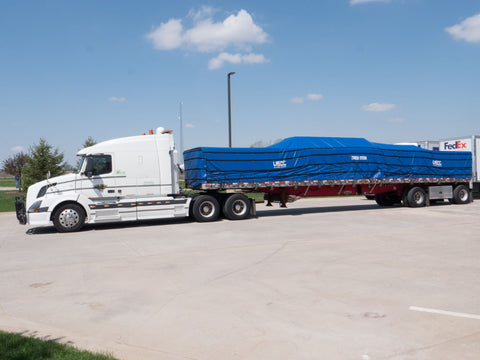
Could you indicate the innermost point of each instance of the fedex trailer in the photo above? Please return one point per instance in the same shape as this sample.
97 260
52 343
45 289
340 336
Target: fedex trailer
470 144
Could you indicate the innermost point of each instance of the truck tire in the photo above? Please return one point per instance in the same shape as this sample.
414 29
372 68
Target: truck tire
205 208
237 207
69 218
461 195
416 197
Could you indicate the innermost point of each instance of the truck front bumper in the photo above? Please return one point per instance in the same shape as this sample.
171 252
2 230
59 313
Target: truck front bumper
39 218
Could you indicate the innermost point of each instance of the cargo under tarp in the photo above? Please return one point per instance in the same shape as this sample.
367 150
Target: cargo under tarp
320 158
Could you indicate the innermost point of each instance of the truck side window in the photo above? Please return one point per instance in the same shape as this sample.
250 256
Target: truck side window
102 164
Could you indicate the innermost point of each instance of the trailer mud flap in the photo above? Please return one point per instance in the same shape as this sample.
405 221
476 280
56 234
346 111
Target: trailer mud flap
253 208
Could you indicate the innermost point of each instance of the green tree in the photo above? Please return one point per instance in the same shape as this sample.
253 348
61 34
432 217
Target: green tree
89 142
14 164
42 159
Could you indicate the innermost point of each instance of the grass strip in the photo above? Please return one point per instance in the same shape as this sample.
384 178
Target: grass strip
18 347
7 182
7 200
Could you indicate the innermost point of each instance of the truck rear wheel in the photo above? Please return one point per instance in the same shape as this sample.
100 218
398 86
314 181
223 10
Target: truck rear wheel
237 207
205 208
461 195
69 218
416 197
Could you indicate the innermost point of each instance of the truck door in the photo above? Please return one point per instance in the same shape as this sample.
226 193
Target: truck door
97 183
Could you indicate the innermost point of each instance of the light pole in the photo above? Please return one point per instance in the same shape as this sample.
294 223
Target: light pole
229 112
181 134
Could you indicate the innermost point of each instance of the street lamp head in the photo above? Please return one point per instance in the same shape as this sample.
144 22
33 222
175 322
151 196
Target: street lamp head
231 73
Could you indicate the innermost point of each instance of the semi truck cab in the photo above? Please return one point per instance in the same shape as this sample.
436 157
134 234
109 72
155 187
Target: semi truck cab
132 178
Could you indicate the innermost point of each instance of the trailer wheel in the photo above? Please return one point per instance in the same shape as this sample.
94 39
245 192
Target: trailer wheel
205 208
69 218
461 195
416 197
237 207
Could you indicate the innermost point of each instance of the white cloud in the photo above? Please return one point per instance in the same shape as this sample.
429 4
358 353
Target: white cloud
297 100
204 12
190 126
222 58
117 99
18 149
167 36
237 31
310 97
356 2
314 97
376 107
468 29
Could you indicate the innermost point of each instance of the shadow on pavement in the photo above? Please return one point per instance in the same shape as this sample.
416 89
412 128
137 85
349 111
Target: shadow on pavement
368 205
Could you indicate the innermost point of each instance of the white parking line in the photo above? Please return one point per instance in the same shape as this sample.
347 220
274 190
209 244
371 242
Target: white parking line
443 312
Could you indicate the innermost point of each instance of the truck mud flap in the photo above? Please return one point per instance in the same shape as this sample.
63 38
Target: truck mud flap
20 210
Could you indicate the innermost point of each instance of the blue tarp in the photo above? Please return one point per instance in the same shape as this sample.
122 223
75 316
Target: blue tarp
321 158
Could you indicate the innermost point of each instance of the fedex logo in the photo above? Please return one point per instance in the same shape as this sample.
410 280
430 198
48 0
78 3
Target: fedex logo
456 145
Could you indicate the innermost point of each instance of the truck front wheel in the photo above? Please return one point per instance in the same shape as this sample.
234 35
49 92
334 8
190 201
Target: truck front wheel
205 208
461 195
237 207
69 218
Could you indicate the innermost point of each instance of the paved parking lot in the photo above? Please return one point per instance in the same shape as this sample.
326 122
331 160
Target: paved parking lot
332 278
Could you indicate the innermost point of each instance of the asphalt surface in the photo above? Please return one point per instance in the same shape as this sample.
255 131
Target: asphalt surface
332 278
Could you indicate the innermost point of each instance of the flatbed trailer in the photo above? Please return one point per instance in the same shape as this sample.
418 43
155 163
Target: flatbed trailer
392 174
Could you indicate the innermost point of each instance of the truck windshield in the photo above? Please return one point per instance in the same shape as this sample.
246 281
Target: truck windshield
80 164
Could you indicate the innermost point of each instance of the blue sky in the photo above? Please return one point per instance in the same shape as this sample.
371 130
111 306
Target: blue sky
389 71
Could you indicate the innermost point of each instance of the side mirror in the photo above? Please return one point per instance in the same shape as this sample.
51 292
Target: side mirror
89 167
49 174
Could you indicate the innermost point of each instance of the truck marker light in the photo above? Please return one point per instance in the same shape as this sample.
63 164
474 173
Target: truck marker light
150 203
150 132
120 205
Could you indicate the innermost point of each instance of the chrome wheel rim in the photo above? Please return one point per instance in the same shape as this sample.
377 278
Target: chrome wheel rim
68 218
418 197
239 207
207 209
463 195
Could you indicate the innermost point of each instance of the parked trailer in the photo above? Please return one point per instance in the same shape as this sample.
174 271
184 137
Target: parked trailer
137 178
470 144
310 166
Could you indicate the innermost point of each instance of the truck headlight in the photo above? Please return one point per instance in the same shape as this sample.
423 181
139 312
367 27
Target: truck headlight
35 206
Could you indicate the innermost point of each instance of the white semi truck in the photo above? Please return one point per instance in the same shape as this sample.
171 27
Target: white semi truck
137 178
